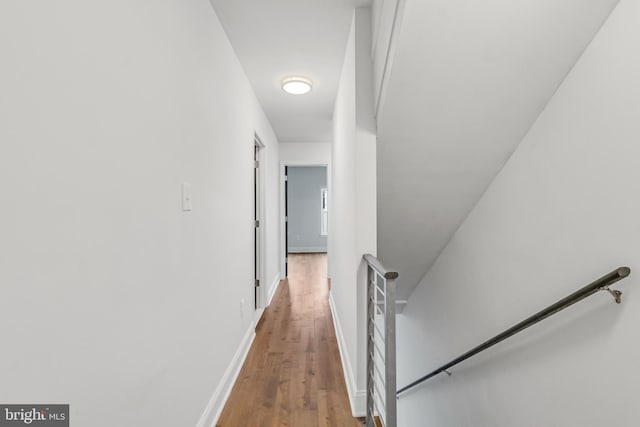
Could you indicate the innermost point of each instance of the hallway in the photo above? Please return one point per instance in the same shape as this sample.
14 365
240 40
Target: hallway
293 375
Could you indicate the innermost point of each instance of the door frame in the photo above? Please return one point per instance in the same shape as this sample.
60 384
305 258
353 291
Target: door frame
257 205
283 225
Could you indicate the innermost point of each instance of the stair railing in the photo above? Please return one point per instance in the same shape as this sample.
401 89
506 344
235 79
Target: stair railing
601 284
381 344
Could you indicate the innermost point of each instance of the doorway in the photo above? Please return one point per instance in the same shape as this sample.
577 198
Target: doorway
306 210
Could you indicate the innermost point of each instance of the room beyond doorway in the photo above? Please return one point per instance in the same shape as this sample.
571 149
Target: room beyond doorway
306 209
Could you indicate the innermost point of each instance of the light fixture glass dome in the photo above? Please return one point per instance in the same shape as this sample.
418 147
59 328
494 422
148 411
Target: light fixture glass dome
297 85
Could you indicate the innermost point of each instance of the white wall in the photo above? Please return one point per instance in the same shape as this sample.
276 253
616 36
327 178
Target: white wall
562 212
301 153
352 206
113 299
304 208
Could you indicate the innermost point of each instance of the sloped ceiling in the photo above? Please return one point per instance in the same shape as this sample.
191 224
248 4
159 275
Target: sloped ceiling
467 82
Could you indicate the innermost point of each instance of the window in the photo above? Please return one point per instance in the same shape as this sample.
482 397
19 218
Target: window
324 213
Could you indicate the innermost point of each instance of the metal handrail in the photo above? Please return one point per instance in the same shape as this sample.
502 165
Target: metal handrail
601 284
381 344
379 268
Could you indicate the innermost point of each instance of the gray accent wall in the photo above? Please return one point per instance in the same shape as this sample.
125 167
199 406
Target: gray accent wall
305 184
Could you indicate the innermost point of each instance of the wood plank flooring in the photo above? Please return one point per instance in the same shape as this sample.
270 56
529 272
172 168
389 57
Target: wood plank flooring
293 375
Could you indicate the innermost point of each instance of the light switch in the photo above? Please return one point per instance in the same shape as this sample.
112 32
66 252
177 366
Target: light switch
187 203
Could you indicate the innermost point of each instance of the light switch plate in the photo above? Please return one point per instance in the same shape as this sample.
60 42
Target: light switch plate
187 204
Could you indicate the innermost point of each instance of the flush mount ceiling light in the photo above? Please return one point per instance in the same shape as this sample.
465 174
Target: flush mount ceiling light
297 85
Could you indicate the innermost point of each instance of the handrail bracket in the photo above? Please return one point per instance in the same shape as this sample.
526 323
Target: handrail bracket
616 294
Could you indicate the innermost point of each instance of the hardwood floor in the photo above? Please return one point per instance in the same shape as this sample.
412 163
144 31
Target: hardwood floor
293 374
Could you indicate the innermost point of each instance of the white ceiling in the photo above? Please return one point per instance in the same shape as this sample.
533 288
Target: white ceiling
277 38
468 81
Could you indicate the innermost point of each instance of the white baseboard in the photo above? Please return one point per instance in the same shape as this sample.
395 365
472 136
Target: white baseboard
216 404
273 289
307 249
357 398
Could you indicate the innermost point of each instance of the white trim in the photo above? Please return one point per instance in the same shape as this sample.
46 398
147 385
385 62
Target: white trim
375 26
269 293
257 141
357 398
308 249
261 261
257 314
273 289
216 404
390 54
